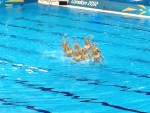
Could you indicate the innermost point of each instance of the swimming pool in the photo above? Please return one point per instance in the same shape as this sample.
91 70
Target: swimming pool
35 76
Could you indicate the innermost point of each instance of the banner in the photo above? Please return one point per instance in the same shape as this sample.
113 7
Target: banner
85 3
126 6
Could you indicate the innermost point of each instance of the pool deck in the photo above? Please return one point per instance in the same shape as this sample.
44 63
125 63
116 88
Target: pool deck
99 10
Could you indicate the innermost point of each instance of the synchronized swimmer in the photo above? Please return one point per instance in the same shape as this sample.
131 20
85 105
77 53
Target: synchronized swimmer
80 54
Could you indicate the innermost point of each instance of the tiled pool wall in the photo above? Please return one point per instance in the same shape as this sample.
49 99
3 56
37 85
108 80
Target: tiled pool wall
140 7
8 3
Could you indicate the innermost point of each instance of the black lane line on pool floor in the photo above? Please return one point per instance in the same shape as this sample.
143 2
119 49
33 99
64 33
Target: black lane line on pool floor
120 57
98 82
100 23
8 102
132 59
94 82
24 38
104 83
107 43
123 72
24 83
116 44
95 22
80 28
37 53
88 13
60 34
23 66
115 70
74 96
44 42
89 81
20 50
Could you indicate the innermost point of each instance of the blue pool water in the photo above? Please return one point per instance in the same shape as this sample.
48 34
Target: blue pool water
36 77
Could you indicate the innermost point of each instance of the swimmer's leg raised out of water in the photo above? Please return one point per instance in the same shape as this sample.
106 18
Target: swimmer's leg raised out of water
64 42
77 46
87 42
